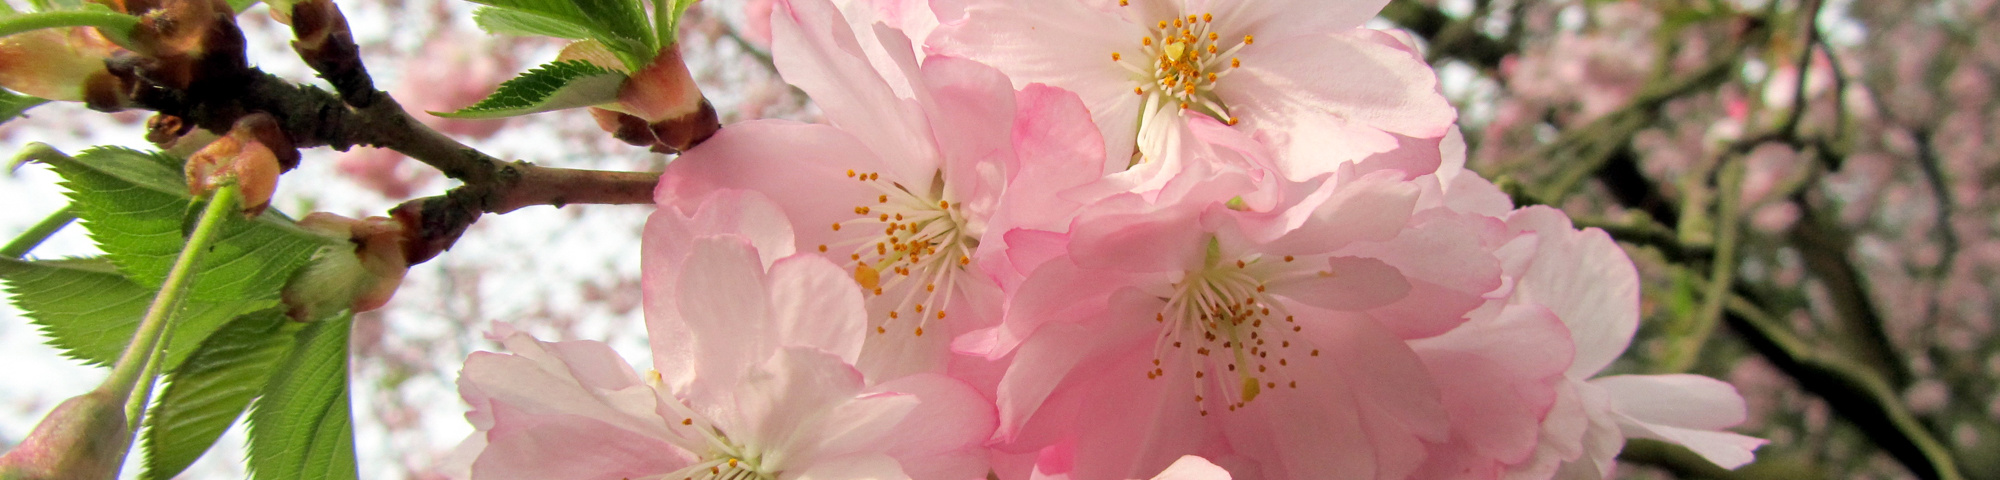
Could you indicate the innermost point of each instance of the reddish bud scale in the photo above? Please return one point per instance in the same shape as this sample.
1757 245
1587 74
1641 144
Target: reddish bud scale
252 154
191 45
361 279
84 437
663 100
61 64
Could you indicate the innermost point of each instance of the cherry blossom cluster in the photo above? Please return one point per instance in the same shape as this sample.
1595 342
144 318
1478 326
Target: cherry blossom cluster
1087 239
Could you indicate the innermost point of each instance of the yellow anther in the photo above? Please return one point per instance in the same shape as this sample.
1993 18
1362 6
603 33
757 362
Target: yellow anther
1115 57
1249 39
822 249
860 210
920 331
836 226
866 276
850 173
1235 63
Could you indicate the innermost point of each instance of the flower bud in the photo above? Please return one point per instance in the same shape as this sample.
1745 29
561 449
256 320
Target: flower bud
192 44
83 438
664 94
253 153
361 279
60 64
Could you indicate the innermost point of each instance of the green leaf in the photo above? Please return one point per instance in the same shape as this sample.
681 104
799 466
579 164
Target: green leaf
240 5
90 311
555 86
302 427
622 19
620 24
502 21
213 387
116 26
134 205
668 20
12 105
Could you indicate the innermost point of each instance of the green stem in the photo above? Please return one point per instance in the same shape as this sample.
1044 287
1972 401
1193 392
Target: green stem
115 26
1722 271
136 359
38 233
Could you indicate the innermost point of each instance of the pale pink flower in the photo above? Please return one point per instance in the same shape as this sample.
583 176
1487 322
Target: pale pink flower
1188 467
1589 283
912 186
769 392
1281 67
1273 339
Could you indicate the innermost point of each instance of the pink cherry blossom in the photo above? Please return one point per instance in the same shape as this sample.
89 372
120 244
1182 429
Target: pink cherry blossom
1586 280
912 186
1280 67
769 393
1276 339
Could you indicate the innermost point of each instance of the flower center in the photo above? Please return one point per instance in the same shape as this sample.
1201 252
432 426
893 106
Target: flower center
1222 324
722 459
1180 63
913 261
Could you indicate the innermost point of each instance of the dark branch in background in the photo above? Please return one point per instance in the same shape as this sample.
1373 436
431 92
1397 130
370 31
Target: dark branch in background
1448 38
1856 396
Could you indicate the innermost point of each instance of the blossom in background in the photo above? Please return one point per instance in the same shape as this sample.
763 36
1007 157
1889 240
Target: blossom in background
1282 68
770 393
911 187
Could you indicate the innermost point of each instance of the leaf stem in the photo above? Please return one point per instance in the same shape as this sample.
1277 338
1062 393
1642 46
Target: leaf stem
41 231
115 26
138 356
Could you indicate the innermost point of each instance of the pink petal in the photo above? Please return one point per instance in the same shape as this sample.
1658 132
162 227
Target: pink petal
1191 467
670 234
800 167
1125 233
528 446
816 304
542 382
971 110
1586 279
1350 90
1374 207
816 51
1268 19
1058 42
943 436
1449 267
1354 284
874 467
1686 409
1365 408
783 402
1498 376
725 311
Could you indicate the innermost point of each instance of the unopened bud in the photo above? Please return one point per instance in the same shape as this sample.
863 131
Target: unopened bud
359 279
192 43
58 64
83 438
252 154
626 128
664 94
